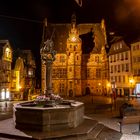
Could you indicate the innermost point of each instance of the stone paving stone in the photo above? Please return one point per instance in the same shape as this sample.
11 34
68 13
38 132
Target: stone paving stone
96 131
130 137
7 127
109 134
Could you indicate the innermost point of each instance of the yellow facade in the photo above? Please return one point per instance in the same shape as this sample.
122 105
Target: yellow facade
120 67
135 52
5 69
23 76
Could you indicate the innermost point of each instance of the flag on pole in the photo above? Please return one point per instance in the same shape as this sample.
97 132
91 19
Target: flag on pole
79 2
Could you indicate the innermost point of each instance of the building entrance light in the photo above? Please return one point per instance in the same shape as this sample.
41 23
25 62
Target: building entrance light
7 93
3 94
131 82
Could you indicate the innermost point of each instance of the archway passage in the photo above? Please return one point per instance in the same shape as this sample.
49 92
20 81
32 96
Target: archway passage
87 91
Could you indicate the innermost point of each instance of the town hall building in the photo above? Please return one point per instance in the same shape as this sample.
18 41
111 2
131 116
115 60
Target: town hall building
81 65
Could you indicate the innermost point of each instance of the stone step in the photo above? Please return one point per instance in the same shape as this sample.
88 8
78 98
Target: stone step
96 131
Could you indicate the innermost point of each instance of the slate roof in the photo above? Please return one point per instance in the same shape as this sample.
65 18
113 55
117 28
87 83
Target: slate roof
115 43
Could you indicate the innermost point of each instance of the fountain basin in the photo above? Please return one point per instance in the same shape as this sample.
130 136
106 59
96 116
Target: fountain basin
48 118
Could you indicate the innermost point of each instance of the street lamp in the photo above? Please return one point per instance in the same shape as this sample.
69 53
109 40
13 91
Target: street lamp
108 87
99 87
131 81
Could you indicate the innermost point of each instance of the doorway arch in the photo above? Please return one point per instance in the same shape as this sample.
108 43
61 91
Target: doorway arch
70 93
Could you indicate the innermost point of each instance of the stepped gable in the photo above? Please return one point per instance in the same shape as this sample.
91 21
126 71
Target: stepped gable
90 33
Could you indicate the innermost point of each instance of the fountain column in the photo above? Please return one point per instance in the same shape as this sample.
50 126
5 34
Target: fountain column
47 57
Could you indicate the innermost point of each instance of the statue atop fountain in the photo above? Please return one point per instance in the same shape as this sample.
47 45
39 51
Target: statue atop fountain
47 53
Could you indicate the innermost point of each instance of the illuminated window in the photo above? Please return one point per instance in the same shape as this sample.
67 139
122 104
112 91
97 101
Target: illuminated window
118 68
98 73
30 72
110 59
70 69
70 84
127 67
120 45
77 57
115 78
117 56
122 67
114 58
134 48
111 69
7 93
3 94
54 73
62 59
75 47
123 79
97 59
59 73
122 56
126 55
119 78
8 53
61 87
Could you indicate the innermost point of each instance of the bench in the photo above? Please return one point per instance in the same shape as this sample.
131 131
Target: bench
130 119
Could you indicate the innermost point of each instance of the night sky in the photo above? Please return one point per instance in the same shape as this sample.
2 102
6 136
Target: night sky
21 20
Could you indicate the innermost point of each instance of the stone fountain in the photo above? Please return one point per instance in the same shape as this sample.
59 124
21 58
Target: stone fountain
54 113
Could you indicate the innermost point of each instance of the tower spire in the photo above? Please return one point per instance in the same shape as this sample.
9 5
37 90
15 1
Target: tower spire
73 20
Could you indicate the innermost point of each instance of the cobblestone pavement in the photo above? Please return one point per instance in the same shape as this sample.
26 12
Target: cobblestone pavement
98 108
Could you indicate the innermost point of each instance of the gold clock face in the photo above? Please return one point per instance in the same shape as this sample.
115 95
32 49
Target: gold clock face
73 38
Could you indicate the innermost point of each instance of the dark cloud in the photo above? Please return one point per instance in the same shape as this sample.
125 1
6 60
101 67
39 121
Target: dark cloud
127 14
